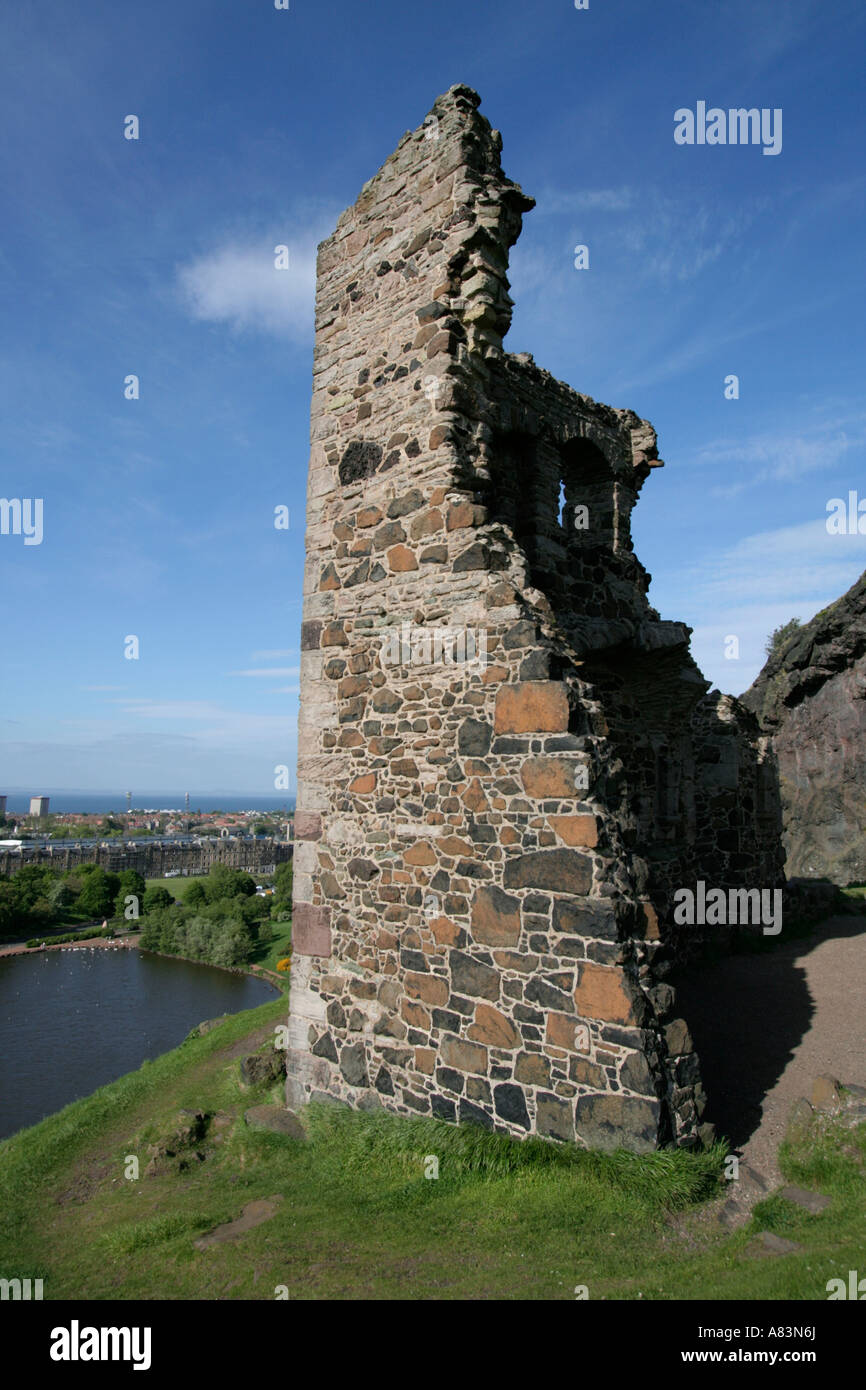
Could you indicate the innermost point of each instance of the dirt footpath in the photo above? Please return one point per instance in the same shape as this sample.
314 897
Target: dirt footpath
766 1026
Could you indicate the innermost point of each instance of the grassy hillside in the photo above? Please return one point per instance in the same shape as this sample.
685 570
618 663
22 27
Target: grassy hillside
358 1217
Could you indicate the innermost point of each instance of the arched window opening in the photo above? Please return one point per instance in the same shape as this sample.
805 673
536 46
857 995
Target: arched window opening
589 516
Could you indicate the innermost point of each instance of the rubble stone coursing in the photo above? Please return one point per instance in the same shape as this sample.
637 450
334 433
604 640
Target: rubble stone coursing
485 852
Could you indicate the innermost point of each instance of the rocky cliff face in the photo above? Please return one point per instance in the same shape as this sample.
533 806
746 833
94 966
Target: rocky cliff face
811 698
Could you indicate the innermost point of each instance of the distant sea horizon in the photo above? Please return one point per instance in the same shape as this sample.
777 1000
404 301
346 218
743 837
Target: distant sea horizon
92 803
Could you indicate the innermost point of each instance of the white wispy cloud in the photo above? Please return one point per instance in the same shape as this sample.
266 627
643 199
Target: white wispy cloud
780 456
142 759
803 560
556 200
653 238
638 258
644 228
750 588
168 709
215 725
768 33
238 284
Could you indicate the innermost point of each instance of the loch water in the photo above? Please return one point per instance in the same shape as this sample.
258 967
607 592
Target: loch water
73 1020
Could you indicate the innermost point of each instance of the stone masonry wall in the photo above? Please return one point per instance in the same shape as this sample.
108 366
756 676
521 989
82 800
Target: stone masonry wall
485 848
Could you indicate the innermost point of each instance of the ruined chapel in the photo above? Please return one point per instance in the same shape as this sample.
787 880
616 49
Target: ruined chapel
487 843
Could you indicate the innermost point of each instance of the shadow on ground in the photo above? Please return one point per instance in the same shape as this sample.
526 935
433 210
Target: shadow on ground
748 1014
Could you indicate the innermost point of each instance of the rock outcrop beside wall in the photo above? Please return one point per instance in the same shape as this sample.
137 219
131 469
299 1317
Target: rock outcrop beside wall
811 698
486 847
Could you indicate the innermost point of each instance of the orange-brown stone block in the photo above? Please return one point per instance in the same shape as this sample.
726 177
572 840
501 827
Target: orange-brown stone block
311 932
432 989
464 1056
401 559
548 778
493 1028
603 993
560 1030
495 917
531 707
414 1014
576 830
420 853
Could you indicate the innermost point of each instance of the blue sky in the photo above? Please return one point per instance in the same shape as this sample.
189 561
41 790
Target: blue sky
257 127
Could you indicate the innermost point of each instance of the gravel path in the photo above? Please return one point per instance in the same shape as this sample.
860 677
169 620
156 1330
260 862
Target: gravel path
766 1026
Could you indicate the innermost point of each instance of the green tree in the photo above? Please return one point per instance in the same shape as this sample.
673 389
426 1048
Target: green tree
132 885
109 826
232 945
41 914
8 908
156 897
32 882
777 640
75 880
60 895
131 881
195 895
223 882
159 931
255 914
96 898
283 885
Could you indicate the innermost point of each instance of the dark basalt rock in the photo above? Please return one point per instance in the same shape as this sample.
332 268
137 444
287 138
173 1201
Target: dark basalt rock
361 459
811 698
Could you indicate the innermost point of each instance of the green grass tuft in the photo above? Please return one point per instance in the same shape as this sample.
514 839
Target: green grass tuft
668 1179
158 1230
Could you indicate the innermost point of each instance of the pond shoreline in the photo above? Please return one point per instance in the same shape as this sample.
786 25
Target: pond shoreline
114 1010
255 972
131 940
88 942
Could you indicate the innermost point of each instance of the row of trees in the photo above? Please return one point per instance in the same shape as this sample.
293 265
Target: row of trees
38 896
221 919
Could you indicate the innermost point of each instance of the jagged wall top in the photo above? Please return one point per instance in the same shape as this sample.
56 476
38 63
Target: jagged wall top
454 139
456 148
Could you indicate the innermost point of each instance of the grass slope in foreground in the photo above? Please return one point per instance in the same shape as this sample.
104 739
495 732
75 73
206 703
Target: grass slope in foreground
358 1218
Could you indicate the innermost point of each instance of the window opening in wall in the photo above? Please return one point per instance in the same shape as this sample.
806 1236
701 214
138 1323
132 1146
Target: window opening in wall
590 496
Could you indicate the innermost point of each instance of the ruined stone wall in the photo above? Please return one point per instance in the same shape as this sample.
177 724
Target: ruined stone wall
481 862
